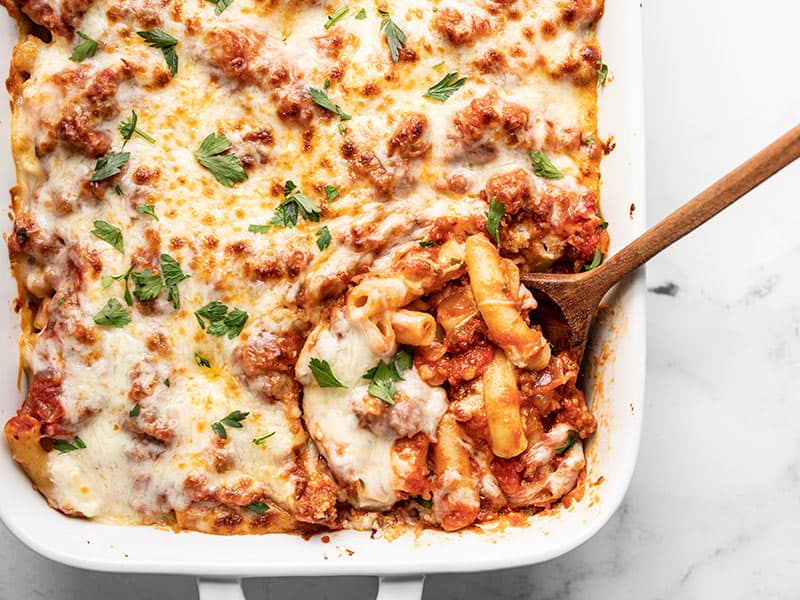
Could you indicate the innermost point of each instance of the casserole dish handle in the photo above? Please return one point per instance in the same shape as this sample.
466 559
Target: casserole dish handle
220 589
401 587
389 588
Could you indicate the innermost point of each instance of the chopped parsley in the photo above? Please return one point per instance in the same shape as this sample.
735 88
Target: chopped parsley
603 225
570 443
331 192
338 14
86 49
148 209
445 88
128 128
423 502
602 73
588 141
395 37
113 314
135 411
64 447
384 375
427 244
167 383
107 280
215 319
173 275
147 285
118 191
258 507
542 167
109 165
226 168
234 419
323 238
321 99
110 234
260 440
596 260
294 203
323 374
201 361
493 218
361 15
158 38
221 5
258 228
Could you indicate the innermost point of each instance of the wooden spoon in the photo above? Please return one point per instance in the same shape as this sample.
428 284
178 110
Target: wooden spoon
568 302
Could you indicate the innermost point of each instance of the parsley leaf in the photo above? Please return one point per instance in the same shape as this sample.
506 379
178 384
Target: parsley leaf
173 275
384 375
493 218
295 202
427 244
221 6
64 447
128 128
596 260
395 37
233 419
148 285
258 507
321 99
382 386
258 228
148 209
260 440
331 192
158 38
323 238
338 14
109 233
542 167
403 360
423 502
226 168
213 311
108 280
445 88
84 50
220 321
323 374
113 314
602 73
361 15
109 165
570 443
135 411
201 361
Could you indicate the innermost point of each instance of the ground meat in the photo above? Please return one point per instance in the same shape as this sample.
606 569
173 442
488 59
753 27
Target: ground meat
410 139
235 52
514 189
460 28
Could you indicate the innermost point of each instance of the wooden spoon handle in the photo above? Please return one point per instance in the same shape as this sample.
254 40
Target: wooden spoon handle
702 207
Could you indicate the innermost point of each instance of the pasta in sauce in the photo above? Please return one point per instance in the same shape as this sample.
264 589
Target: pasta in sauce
268 257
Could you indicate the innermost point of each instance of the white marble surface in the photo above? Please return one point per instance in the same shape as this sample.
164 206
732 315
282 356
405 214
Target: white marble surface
714 507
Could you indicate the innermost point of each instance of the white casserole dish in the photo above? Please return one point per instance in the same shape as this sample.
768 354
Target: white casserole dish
614 388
